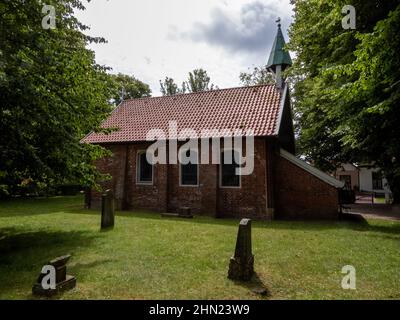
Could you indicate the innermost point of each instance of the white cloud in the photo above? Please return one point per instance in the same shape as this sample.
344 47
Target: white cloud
145 37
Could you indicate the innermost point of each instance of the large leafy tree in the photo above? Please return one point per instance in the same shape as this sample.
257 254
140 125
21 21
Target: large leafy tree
128 87
346 84
52 93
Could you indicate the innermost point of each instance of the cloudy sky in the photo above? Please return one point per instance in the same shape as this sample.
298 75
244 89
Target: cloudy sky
152 39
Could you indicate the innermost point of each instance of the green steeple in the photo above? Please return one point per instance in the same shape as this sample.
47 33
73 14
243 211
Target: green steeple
278 55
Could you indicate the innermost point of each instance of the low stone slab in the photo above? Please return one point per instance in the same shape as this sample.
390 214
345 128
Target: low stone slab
185 212
176 215
68 284
63 281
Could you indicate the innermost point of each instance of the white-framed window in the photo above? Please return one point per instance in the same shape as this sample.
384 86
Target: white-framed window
144 169
377 183
227 171
189 173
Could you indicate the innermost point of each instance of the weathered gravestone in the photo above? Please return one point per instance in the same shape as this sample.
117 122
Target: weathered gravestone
107 210
54 279
88 198
185 212
241 266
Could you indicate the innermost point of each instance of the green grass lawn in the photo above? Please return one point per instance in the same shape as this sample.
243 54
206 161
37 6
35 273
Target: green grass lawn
149 257
379 200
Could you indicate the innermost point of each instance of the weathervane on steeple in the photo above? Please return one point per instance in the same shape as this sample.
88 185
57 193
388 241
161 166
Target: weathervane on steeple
278 21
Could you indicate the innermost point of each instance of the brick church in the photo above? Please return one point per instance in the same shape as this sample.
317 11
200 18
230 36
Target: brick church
281 186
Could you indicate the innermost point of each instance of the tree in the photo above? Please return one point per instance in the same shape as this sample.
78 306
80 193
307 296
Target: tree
170 88
346 84
259 75
52 93
370 120
198 81
128 87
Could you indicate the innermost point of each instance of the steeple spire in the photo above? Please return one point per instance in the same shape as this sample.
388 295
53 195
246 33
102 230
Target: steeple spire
279 59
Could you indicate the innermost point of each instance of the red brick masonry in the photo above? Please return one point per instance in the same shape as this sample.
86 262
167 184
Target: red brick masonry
296 193
301 195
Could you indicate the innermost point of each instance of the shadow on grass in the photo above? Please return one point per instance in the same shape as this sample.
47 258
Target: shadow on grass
81 270
21 207
256 286
22 254
317 226
306 225
74 204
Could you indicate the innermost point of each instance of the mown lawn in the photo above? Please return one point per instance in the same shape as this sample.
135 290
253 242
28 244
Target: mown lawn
149 257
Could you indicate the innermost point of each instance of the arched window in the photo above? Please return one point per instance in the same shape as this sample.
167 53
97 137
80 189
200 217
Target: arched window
189 173
228 176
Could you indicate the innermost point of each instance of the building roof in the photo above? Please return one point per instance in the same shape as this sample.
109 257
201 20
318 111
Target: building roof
254 107
278 55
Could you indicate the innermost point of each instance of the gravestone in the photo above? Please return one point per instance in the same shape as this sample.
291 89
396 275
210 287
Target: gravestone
63 281
241 266
88 198
185 212
107 210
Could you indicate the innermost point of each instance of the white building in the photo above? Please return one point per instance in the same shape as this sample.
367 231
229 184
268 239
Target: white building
363 178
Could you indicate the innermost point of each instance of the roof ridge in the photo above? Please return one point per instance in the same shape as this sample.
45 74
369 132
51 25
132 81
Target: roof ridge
203 92
252 107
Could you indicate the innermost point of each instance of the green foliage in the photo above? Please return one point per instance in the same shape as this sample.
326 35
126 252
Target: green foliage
198 80
259 75
346 84
170 88
52 93
128 87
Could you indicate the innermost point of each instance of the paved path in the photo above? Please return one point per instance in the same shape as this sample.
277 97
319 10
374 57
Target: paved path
365 198
375 211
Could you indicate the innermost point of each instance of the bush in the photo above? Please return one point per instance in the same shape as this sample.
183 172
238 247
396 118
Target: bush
68 189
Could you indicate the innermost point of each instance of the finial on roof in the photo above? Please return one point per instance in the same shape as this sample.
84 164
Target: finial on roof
278 21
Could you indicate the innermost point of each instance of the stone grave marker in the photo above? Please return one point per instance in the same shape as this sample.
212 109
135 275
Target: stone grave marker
107 210
241 266
56 273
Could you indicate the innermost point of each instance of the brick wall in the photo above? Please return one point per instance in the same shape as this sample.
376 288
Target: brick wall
142 196
301 195
250 199
201 199
207 198
297 193
113 166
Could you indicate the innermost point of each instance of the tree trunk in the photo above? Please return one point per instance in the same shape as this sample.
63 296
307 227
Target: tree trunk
394 185
396 196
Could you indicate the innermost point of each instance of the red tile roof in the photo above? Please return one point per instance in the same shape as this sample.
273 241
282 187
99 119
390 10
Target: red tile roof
255 107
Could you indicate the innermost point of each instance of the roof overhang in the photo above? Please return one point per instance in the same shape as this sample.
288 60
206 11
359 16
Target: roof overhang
281 107
312 170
